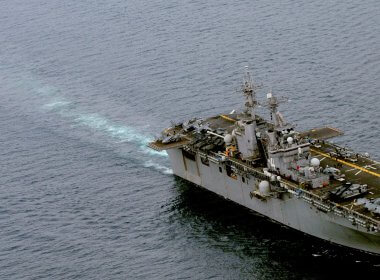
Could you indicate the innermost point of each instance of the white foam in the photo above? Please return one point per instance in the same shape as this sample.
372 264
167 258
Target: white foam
95 121
56 104
161 168
155 153
47 89
122 133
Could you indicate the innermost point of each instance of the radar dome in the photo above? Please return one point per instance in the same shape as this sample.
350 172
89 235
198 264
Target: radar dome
315 162
289 140
228 139
264 188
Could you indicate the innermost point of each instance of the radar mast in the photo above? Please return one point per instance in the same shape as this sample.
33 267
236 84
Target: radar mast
249 91
273 103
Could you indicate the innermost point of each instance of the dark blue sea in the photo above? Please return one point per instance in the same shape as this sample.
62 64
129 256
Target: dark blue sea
85 85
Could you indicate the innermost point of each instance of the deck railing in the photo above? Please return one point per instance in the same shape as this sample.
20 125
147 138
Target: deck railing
317 201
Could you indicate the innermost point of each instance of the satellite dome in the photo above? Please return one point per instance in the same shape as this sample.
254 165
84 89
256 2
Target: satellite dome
228 139
315 162
289 140
264 188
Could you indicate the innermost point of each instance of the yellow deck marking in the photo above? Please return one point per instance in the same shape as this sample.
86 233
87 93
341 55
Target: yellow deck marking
227 118
347 163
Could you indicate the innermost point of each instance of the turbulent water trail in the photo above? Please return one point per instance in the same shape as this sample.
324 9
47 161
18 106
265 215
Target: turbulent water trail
121 133
159 167
33 92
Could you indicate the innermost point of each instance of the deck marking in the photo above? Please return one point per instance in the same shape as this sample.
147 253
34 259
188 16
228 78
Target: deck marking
350 169
322 158
360 171
227 118
347 163
370 166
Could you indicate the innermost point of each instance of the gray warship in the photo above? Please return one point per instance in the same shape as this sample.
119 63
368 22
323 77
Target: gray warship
299 179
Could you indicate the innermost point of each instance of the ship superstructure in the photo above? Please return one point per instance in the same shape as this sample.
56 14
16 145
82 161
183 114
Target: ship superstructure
296 178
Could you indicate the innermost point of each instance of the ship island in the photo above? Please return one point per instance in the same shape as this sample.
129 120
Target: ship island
297 178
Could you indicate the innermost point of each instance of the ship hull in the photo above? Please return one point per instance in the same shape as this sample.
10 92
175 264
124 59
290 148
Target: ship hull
285 208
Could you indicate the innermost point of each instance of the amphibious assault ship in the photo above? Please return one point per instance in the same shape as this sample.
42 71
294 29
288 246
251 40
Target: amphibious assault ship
299 179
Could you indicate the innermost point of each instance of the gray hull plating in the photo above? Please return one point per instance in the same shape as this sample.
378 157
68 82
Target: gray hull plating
287 209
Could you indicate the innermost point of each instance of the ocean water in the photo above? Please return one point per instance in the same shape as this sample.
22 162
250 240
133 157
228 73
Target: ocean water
85 85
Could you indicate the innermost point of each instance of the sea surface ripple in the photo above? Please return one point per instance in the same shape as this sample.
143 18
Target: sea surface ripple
85 85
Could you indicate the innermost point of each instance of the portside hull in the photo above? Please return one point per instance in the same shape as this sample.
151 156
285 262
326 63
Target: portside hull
287 209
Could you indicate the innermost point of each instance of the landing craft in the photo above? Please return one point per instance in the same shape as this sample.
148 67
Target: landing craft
299 179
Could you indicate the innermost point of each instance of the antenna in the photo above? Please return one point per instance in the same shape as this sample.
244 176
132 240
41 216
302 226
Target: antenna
272 104
249 91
